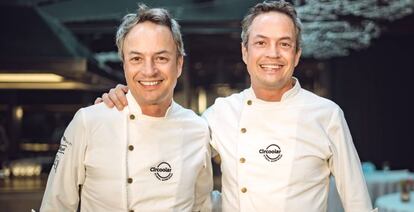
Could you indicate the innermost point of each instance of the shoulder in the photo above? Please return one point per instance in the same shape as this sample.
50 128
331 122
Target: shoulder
229 101
318 101
223 105
190 117
98 113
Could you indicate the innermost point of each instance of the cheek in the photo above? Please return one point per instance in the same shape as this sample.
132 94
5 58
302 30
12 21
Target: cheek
249 58
130 72
254 55
171 70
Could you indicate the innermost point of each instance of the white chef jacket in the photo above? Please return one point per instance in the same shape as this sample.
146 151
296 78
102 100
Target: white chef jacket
278 156
127 161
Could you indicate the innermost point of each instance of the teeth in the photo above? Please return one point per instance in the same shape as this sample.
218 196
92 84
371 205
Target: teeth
150 83
271 66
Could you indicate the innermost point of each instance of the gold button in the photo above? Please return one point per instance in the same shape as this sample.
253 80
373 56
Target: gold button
249 102
129 180
131 147
243 130
242 160
132 116
244 190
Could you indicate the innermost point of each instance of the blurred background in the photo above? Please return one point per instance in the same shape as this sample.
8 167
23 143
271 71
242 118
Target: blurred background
57 56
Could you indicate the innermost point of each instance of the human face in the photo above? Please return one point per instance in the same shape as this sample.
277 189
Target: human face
270 54
151 64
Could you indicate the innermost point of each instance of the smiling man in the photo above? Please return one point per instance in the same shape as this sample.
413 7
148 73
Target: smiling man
153 155
283 141
279 144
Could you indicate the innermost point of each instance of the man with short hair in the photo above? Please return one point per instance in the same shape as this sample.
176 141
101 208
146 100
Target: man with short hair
153 155
279 143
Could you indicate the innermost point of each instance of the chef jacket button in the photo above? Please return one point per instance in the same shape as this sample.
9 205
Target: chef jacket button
131 147
132 116
249 102
129 180
243 130
242 160
243 190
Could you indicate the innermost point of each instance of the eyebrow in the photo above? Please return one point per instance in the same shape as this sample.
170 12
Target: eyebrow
157 53
282 38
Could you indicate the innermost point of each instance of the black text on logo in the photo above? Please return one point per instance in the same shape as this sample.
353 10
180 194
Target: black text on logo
272 153
162 171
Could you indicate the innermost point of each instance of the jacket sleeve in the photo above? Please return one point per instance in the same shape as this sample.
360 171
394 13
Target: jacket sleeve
67 173
208 115
345 165
204 184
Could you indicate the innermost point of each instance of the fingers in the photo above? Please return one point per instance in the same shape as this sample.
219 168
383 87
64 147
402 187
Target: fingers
108 102
120 91
115 97
112 96
123 87
98 100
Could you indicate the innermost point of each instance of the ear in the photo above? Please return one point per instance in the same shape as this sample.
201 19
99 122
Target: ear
297 56
180 62
244 52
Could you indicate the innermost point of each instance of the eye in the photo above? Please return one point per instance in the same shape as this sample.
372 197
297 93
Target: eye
259 43
286 45
135 59
161 59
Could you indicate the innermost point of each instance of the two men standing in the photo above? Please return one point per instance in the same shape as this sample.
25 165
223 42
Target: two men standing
278 143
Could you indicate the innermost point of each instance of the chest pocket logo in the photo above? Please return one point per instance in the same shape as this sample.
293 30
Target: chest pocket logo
272 153
163 171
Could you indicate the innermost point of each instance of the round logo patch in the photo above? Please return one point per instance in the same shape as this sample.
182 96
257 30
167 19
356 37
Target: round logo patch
162 171
272 153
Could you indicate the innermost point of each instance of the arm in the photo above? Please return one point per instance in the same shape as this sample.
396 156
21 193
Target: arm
68 172
204 185
346 166
116 97
209 116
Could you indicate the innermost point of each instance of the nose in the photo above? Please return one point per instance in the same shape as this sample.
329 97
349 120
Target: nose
273 51
149 69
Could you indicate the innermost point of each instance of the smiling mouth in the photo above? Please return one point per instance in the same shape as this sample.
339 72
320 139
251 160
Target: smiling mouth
150 83
271 67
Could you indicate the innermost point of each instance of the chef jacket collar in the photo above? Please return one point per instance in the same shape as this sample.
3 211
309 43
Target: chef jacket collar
135 109
285 97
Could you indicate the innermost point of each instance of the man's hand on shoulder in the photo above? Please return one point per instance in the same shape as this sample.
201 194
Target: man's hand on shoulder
115 97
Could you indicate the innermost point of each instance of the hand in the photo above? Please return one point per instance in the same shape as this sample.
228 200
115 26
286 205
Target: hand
116 97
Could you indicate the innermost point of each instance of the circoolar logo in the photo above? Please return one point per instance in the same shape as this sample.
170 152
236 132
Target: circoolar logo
162 171
272 153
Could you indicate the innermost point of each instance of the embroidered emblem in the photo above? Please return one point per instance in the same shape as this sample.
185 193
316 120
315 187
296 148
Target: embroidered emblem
272 153
61 151
163 171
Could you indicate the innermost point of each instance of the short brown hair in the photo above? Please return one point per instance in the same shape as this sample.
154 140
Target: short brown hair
271 6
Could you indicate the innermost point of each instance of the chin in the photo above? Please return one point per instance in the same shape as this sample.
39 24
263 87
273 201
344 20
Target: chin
151 101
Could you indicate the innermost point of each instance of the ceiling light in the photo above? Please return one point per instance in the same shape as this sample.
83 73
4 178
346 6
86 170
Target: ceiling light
30 77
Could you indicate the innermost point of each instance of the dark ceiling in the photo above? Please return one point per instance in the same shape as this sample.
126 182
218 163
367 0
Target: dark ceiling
211 31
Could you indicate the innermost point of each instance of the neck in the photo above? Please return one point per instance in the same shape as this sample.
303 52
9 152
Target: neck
272 95
158 110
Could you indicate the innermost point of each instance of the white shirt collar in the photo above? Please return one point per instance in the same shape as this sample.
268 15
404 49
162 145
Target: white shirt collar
135 109
285 97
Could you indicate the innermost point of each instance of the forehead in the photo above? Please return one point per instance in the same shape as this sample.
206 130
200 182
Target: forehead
273 25
149 37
